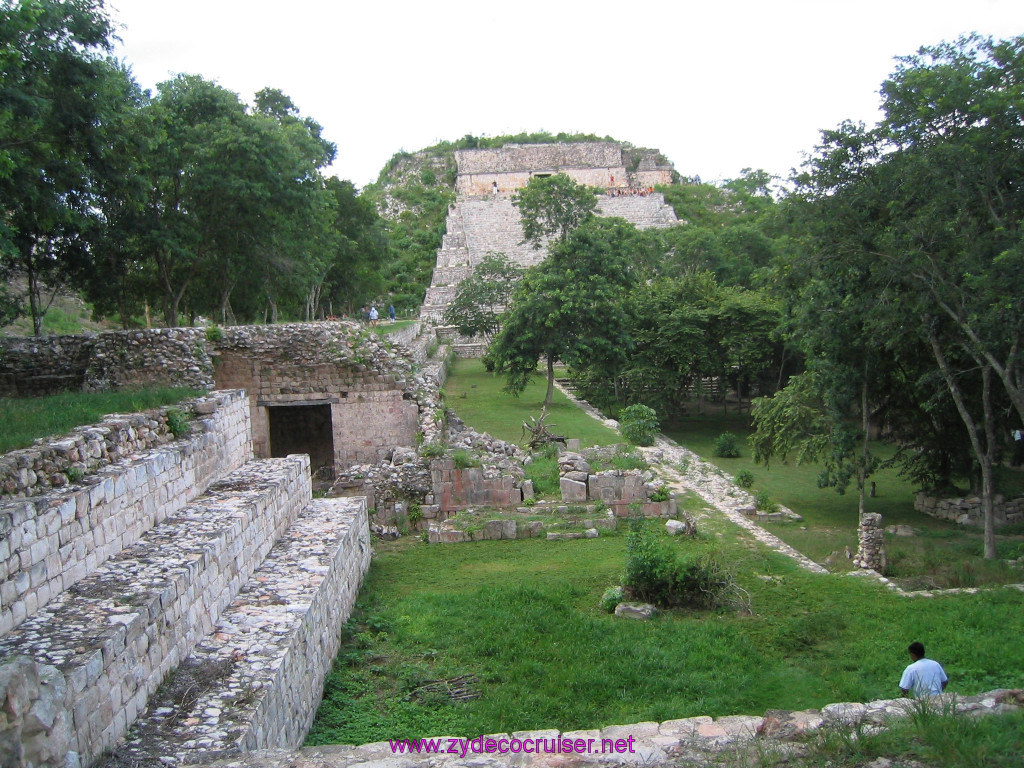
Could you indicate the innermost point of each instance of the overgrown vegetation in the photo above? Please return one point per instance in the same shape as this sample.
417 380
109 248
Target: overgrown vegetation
639 424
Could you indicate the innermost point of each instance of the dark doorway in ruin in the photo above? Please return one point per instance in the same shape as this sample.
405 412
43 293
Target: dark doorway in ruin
304 429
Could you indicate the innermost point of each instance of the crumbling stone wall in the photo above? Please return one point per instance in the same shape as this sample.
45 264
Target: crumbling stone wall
967 511
174 357
617 488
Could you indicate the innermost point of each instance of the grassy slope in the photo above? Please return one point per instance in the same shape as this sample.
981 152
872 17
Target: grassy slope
477 397
524 619
938 551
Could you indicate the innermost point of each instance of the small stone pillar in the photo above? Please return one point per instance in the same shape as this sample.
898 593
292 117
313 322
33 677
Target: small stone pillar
870 543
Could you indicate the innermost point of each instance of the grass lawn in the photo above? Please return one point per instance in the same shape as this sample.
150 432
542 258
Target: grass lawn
477 397
522 620
386 326
22 420
942 554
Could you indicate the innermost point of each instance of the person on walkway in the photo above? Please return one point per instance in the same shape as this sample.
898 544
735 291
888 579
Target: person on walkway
391 312
373 316
923 677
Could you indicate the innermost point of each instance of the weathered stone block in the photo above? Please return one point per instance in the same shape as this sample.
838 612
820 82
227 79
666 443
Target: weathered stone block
572 490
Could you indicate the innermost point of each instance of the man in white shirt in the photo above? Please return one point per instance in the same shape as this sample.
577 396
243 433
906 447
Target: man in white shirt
924 677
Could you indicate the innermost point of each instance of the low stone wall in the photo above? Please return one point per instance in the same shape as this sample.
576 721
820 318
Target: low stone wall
460 488
49 542
174 357
617 488
967 511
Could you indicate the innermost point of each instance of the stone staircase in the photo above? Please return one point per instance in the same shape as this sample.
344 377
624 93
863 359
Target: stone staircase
477 226
240 586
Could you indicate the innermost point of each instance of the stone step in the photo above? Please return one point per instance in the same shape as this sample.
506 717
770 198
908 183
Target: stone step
260 672
51 541
109 641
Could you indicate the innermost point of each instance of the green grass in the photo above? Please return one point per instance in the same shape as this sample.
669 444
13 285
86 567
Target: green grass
386 326
942 554
477 397
22 420
523 618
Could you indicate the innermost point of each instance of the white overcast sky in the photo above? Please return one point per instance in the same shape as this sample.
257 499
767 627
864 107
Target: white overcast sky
717 86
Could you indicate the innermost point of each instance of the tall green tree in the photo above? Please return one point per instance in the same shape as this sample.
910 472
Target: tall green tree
552 207
570 307
483 296
52 74
920 218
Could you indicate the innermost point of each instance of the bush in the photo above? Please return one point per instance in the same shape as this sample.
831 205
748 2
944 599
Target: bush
214 333
661 493
763 502
727 446
655 574
178 423
611 598
744 478
432 450
639 424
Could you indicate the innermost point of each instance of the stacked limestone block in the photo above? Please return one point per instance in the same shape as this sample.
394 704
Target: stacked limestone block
115 634
50 541
617 488
870 543
270 648
968 511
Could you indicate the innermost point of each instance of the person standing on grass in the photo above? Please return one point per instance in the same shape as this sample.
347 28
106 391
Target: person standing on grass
923 676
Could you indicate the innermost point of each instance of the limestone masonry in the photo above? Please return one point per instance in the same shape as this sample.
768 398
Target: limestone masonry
481 222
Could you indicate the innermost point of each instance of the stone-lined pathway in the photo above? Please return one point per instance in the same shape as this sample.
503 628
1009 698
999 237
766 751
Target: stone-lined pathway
690 472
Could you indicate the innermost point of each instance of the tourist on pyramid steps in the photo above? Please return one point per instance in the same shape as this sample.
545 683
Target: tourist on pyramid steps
923 677
391 312
373 316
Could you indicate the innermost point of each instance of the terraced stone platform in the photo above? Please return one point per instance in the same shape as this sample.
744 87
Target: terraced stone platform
114 635
255 681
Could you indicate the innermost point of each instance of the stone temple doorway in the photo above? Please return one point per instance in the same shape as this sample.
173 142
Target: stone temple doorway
304 429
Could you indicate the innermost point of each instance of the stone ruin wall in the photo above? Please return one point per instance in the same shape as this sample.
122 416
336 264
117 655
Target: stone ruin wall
55 531
376 401
597 164
372 410
967 511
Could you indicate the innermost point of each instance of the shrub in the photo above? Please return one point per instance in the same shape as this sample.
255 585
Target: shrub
727 446
639 424
415 513
214 333
763 502
661 493
611 598
432 450
744 478
178 422
656 574
627 459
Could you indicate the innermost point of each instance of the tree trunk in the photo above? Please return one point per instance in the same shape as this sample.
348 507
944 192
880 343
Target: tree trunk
862 476
551 380
983 453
